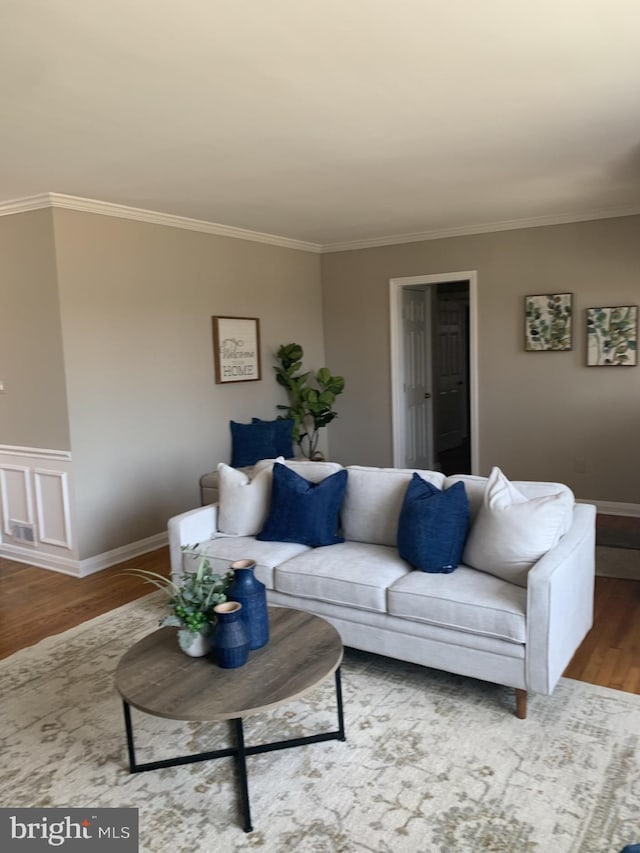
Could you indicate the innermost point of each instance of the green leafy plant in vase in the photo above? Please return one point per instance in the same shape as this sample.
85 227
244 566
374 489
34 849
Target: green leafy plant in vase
311 397
191 602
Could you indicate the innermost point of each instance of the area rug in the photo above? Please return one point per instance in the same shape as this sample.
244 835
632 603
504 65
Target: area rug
432 762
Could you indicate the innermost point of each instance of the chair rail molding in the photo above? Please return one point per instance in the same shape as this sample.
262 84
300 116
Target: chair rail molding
33 452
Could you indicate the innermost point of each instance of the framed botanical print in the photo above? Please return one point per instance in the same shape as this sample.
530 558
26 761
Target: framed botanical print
548 319
612 336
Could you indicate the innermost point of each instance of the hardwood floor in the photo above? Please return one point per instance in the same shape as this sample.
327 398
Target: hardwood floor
36 603
610 653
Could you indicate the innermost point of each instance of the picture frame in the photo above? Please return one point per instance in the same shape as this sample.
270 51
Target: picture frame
612 336
236 349
548 321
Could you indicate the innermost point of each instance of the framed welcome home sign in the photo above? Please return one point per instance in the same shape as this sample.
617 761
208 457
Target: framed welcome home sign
236 349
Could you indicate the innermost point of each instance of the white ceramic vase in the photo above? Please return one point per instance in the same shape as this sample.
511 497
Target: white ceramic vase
194 643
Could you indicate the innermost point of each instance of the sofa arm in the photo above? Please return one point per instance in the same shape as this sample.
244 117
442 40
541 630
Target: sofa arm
190 528
560 602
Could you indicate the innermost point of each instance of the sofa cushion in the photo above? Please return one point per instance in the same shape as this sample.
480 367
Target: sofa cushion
244 500
225 550
352 574
511 533
315 472
433 526
302 511
466 600
373 501
282 435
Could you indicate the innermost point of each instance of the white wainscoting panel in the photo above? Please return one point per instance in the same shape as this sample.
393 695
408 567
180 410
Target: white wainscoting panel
16 500
36 494
52 506
36 508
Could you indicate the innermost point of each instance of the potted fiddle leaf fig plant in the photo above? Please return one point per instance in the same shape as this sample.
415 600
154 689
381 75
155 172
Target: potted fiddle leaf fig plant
311 397
191 603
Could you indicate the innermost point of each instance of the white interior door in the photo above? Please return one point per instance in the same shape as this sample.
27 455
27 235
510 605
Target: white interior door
397 286
417 384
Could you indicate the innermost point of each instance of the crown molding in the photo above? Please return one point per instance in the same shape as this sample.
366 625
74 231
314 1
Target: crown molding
24 205
122 211
485 228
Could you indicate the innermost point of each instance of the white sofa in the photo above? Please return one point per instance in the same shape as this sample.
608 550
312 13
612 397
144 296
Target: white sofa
469 622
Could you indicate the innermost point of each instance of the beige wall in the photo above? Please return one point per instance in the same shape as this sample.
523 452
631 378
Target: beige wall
33 408
146 418
542 415
106 349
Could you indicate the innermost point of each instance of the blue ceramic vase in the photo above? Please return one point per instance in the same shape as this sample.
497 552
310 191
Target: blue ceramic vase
252 595
229 639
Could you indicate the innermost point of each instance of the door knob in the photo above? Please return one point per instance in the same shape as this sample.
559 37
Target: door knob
427 396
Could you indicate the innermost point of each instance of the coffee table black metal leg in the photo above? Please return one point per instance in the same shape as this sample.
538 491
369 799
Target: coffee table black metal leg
341 734
129 730
240 752
241 758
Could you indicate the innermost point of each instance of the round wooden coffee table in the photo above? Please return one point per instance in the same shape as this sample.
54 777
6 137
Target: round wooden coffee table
156 677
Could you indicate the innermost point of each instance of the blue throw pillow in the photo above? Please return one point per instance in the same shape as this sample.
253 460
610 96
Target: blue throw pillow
251 442
433 526
304 512
283 441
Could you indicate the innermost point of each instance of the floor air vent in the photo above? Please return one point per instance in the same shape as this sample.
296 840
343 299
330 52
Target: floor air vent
22 532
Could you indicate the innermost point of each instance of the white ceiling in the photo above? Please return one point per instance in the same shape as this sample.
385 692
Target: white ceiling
326 121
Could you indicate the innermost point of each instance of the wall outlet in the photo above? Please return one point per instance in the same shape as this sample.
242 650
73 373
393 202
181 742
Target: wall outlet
1 386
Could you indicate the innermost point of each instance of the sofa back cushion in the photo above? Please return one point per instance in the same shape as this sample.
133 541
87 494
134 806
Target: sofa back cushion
373 501
315 472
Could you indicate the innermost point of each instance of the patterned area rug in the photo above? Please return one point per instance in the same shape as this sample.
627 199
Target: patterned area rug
432 762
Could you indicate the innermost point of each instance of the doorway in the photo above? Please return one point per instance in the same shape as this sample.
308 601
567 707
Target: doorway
434 372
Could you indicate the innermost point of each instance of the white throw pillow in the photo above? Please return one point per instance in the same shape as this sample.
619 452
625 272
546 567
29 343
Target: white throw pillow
512 532
244 500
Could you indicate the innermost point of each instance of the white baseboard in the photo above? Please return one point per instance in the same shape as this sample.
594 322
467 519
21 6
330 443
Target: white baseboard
126 552
614 508
20 554
82 568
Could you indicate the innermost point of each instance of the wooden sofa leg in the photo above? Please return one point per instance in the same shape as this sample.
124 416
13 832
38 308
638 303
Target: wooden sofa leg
521 704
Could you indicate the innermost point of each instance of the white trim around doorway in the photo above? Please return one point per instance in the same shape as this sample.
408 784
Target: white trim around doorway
397 407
